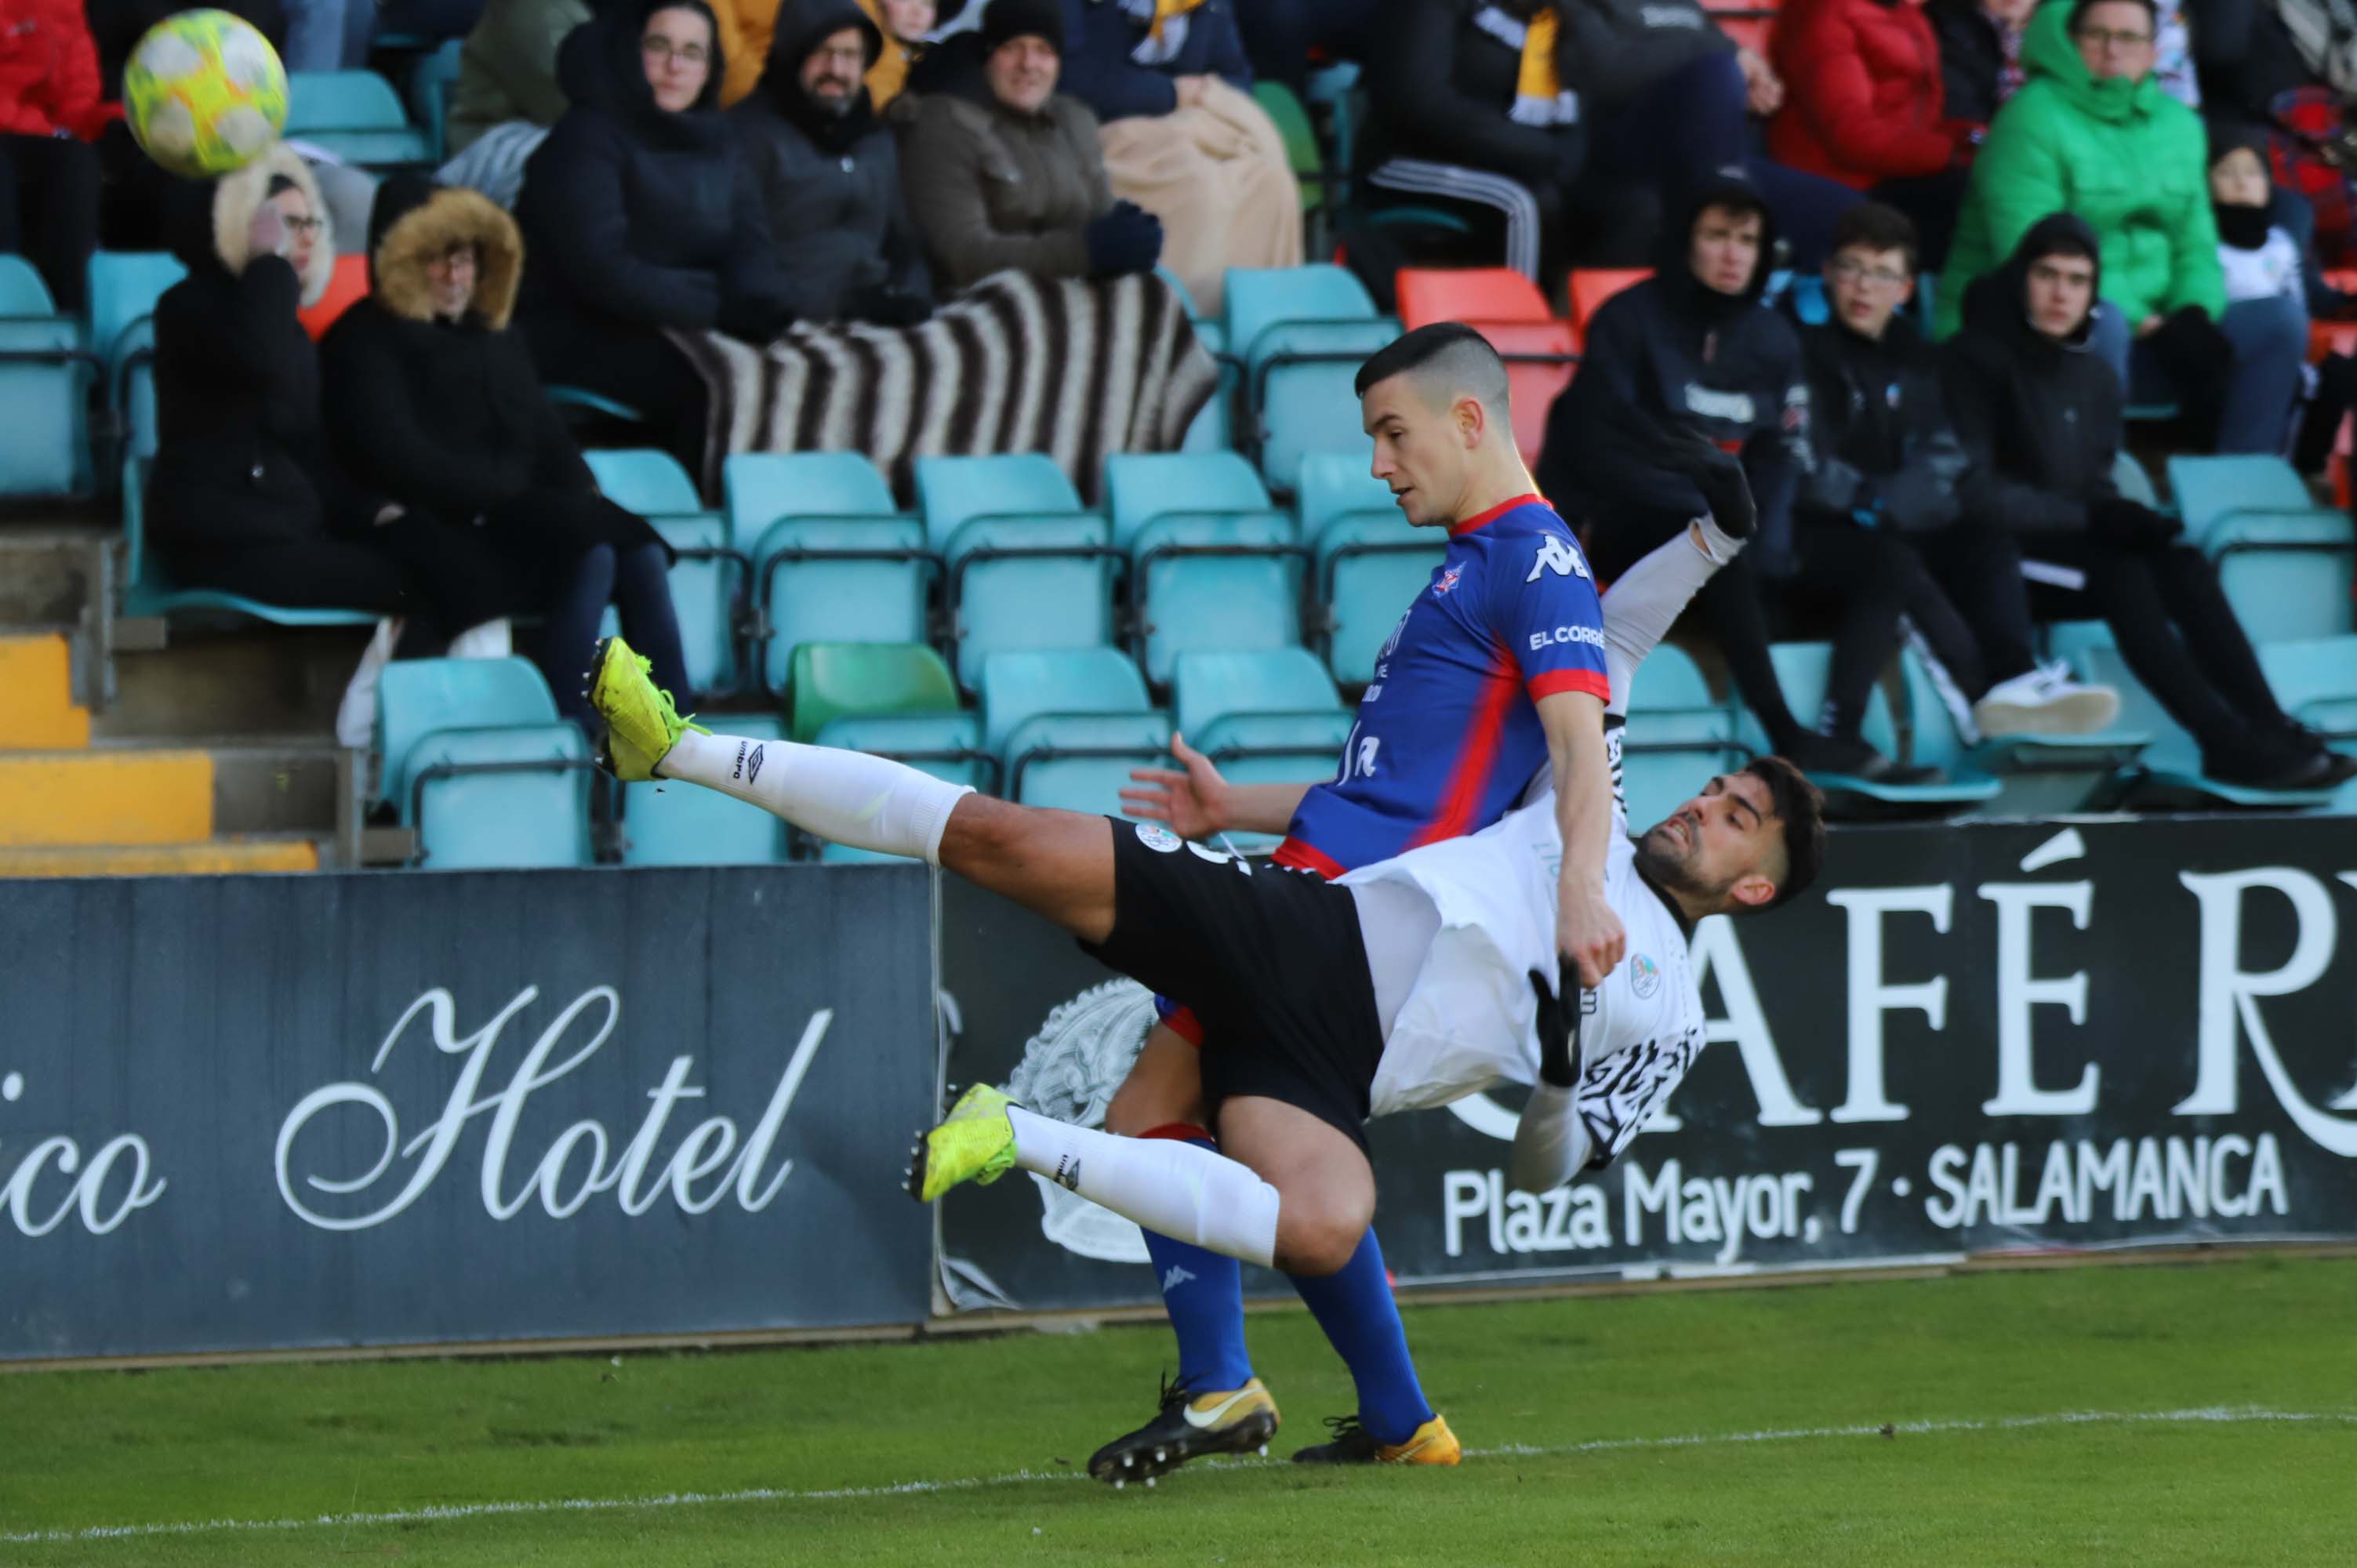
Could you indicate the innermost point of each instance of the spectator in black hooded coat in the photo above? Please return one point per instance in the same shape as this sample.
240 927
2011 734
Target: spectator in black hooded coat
1693 343
830 173
2039 413
639 214
433 402
244 496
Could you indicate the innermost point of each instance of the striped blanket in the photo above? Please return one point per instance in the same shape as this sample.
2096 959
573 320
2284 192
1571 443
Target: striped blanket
1017 364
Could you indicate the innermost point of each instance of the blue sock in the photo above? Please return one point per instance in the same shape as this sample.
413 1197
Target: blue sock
1356 1310
1204 1293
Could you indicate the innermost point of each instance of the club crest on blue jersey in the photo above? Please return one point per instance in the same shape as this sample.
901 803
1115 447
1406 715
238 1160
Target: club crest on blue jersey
1448 579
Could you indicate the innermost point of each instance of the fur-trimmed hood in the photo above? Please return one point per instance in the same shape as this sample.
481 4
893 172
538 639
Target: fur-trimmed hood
449 217
235 199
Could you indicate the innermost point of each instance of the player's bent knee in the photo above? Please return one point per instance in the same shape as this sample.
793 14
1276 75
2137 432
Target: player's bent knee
1321 1242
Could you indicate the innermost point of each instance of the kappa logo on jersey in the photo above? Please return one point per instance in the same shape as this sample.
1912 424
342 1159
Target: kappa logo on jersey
1449 581
1558 555
1594 635
1159 839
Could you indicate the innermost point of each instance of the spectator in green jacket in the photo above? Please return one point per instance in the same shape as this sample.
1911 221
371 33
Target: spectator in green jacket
2093 133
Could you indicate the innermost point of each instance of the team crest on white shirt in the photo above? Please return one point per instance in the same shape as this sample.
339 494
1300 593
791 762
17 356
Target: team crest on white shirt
1644 976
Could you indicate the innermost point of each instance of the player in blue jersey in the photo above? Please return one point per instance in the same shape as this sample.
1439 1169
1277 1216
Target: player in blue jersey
1470 704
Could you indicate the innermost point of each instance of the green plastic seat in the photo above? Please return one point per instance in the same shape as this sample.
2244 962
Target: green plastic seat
676 824
1302 153
832 679
1369 562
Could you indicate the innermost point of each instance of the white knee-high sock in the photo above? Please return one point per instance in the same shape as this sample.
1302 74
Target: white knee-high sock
1174 1188
847 797
1645 600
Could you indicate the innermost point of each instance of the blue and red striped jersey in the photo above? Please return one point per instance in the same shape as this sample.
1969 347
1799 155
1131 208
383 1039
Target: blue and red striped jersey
1447 733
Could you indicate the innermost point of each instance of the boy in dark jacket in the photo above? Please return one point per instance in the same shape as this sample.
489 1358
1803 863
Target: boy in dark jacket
1694 344
1878 523
2038 411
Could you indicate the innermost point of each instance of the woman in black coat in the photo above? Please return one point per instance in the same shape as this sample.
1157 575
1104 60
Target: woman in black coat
434 404
641 214
245 497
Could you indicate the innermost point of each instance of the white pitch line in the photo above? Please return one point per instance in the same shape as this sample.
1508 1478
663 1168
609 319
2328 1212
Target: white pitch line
2229 1415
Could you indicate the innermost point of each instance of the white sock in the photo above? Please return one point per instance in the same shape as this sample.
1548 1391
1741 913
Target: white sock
844 797
1173 1188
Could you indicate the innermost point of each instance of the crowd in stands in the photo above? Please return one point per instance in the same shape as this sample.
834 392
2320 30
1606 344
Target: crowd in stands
2030 222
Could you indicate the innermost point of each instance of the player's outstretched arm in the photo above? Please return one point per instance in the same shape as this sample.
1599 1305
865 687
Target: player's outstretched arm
1198 802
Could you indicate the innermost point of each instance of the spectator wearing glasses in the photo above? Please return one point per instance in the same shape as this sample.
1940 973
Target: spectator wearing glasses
640 216
2093 134
1880 527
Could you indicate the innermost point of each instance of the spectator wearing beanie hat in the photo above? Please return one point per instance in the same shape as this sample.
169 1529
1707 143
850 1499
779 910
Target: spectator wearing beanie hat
1005 172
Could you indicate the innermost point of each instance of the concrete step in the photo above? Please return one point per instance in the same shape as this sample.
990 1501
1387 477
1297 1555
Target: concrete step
220 857
240 682
38 711
105 797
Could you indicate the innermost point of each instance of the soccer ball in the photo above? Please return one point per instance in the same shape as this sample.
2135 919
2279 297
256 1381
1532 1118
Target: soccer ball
205 92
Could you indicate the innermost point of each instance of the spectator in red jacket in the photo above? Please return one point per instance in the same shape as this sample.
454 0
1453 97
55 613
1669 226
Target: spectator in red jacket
1864 106
50 113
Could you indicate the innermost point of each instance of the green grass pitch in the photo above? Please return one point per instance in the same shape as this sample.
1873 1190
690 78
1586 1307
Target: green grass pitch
2196 1415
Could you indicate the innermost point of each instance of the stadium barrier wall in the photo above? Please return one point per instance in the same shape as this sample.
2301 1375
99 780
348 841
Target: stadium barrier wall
2032 1035
281 1112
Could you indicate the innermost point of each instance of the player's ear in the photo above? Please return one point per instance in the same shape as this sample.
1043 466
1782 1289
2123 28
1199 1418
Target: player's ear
1753 890
1472 420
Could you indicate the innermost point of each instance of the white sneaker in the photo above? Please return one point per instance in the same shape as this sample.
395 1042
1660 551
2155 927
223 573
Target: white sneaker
2046 700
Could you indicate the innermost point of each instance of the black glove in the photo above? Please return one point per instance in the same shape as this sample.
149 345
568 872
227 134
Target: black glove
1126 240
2130 525
1560 1062
884 305
1669 444
2200 359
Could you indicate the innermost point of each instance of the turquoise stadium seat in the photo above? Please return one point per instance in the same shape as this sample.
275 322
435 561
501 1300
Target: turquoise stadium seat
1369 562
476 759
2286 564
2037 776
702 578
832 559
1069 725
1802 669
430 82
1677 739
1027 567
1213 565
676 824
2168 773
2066 640
2132 481
1209 687
2316 681
148 590
1301 334
45 373
356 115
124 288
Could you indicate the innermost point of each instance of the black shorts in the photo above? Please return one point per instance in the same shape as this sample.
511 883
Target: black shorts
1270 959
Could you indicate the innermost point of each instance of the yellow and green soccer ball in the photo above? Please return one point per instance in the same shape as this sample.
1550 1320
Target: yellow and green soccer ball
205 93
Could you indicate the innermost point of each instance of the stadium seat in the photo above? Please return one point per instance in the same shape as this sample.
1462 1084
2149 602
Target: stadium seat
831 562
124 288
1678 738
704 577
833 679
2036 775
1591 286
1213 565
1301 334
1302 152
45 376
148 590
2287 565
947 745
1211 687
2316 681
1370 562
475 759
1069 725
1026 567
2129 478
678 824
1802 669
1508 309
1213 427
346 286
2167 775
2066 640
356 115
430 82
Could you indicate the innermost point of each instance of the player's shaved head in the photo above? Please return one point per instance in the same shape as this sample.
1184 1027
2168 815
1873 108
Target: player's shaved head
1444 361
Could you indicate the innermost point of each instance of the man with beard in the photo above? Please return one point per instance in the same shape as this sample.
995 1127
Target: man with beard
829 173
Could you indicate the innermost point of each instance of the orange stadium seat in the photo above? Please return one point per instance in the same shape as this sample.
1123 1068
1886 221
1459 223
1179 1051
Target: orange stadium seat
1508 309
1591 286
